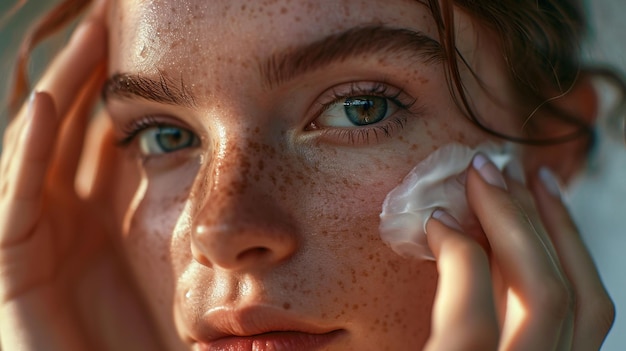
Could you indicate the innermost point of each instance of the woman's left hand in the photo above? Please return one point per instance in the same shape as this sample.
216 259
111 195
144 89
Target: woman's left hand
535 287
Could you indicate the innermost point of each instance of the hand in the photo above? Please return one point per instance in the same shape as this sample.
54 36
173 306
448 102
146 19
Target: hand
58 269
534 287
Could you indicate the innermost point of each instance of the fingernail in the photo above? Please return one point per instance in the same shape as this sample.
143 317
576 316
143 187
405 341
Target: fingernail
488 171
445 218
515 170
550 182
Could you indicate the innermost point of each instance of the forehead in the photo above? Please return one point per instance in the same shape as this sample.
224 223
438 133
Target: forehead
183 35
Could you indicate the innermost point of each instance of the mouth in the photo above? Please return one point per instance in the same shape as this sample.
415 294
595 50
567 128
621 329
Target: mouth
272 341
261 328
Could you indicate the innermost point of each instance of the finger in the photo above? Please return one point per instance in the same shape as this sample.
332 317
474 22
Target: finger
595 311
73 130
74 65
67 74
534 280
12 138
518 190
68 71
526 200
464 315
27 175
37 140
100 170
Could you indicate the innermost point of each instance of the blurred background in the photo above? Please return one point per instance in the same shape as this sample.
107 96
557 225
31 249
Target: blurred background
597 198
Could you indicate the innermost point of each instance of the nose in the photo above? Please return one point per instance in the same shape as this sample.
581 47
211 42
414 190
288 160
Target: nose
240 225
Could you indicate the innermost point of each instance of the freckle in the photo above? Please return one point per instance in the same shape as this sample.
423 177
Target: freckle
283 10
286 305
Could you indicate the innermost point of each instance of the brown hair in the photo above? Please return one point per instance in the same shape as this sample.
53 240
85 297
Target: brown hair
540 42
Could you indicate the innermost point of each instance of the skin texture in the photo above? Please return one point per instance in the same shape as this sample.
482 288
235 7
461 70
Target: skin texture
267 219
305 198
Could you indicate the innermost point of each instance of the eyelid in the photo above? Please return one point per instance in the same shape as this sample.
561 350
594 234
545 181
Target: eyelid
131 129
381 88
362 135
128 138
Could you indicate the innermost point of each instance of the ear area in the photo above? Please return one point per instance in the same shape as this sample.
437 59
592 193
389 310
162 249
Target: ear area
568 158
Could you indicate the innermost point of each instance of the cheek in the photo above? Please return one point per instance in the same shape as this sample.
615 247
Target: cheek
146 247
148 221
344 264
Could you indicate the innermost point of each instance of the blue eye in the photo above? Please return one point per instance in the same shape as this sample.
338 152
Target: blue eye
165 139
356 111
364 110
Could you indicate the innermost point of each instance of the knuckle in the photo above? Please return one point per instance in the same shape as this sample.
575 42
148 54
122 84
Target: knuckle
554 297
600 313
516 211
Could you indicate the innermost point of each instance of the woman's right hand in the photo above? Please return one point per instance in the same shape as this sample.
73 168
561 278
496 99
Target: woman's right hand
537 288
54 245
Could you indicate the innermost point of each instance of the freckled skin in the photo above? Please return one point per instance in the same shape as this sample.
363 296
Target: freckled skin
274 215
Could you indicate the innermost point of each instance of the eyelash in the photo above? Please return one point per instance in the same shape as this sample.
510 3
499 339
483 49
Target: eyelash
132 129
356 135
386 128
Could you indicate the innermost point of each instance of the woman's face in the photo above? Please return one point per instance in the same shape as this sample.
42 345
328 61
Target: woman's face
261 139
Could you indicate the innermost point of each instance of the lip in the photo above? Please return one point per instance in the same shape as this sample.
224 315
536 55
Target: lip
274 341
260 328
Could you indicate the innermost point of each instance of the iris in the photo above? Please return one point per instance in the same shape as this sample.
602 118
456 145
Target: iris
160 140
364 110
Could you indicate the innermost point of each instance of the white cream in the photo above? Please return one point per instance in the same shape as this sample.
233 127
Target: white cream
432 184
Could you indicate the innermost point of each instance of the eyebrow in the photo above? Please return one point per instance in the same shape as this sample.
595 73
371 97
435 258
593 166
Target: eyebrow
285 66
163 89
355 42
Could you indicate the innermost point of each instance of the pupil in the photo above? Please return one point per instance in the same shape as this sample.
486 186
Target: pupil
365 110
170 139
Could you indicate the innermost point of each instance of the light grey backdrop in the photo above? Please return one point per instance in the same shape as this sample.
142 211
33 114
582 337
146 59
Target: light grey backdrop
598 200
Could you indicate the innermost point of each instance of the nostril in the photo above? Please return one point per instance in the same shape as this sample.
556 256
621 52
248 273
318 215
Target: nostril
254 253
